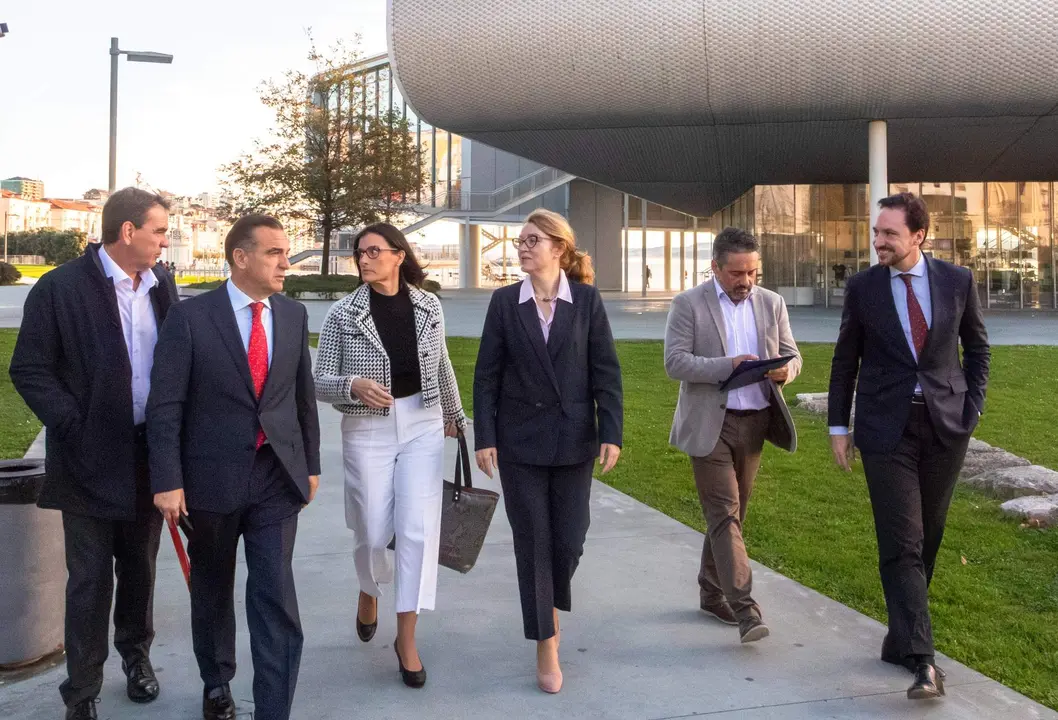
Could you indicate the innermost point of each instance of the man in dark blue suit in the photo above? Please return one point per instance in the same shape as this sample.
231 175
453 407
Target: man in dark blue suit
916 406
83 365
234 445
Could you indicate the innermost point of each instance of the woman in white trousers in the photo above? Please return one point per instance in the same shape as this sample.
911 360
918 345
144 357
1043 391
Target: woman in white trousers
384 364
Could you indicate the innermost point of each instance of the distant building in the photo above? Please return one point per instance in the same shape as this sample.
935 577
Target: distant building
21 215
77 215
97 197
27 188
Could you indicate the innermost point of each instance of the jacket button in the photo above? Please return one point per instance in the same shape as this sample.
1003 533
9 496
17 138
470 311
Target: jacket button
723 407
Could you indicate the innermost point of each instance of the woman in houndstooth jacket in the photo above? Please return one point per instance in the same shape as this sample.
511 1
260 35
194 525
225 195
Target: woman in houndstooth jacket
384 365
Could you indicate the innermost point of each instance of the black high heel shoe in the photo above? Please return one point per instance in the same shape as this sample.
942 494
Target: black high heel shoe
366 631
411 678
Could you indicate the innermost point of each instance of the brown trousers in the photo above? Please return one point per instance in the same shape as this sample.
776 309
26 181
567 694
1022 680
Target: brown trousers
725 483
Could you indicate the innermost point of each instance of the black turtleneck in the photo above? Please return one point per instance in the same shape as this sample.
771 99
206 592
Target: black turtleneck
394 318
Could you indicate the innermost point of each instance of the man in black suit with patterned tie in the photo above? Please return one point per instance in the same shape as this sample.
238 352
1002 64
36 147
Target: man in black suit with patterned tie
916 406
234 444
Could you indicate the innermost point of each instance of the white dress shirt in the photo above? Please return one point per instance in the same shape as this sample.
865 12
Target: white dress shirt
920 284
240 303
528 294
139 326
741 324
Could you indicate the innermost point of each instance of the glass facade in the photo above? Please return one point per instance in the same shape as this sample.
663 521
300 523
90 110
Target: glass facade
813 237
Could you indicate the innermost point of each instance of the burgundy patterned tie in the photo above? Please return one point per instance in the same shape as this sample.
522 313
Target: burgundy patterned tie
258 356
919 328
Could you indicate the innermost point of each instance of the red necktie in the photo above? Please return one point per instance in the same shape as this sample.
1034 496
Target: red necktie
919 328
258 356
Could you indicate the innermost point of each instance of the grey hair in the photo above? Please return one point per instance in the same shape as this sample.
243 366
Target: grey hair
733 240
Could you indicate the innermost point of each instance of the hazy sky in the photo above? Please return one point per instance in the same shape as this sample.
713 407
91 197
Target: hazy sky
176 123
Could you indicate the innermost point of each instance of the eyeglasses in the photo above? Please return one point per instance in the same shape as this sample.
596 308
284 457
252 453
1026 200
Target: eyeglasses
529 241
373 252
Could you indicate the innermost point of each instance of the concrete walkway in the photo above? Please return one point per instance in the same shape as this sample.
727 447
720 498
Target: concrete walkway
636 645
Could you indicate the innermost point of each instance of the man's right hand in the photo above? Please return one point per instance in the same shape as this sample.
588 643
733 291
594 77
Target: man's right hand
171 505
371 393
844 451
736 361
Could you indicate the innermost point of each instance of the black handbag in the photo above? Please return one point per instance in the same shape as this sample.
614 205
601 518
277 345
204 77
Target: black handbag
466 513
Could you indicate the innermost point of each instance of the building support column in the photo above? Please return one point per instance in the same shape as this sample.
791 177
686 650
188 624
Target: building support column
470 255
643 255
683 262
878 153
667 265
624 243
694 255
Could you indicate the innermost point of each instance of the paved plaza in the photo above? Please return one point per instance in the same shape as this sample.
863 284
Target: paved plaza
636 645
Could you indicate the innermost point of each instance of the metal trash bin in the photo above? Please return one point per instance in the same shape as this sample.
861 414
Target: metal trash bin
32 568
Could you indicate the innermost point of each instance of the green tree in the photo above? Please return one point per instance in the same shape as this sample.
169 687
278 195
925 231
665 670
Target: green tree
329 160
56 246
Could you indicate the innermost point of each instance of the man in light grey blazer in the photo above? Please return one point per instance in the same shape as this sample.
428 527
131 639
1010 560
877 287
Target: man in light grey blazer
711 329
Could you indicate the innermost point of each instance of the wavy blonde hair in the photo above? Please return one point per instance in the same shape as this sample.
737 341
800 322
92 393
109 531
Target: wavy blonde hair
576 263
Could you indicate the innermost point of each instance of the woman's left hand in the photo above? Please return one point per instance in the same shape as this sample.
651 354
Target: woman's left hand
451 429
608 455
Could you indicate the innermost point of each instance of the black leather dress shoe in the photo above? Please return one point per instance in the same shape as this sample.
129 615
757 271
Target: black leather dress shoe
927 684
142 685
908 663
411 678
84 710
218 704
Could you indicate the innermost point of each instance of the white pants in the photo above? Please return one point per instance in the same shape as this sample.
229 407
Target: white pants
393 485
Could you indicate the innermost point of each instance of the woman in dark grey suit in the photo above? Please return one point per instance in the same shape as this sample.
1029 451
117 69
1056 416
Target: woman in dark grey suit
547 401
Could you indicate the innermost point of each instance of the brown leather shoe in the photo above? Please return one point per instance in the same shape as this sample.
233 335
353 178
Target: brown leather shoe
721 611
752 629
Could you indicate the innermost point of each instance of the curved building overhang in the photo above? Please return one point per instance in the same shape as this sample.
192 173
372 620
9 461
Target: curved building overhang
688 103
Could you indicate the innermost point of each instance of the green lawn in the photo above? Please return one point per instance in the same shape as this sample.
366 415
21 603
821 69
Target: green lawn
997 612
18 426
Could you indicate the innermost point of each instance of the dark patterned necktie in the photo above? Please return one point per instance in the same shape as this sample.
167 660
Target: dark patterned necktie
919 328
257 354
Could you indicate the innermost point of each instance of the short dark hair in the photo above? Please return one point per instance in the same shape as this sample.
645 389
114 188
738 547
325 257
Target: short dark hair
410 270
241 233
128 205
916 214
733 240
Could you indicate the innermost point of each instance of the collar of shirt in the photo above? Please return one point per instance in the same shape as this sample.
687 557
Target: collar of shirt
526 292
240 300
113 271
918 271
722 294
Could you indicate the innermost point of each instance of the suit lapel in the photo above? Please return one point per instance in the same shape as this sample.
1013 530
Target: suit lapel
160 299
890 317
284 341
224 318
712 301
361 309
940 312
757 303
105 286
424 317
531 324
561 326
